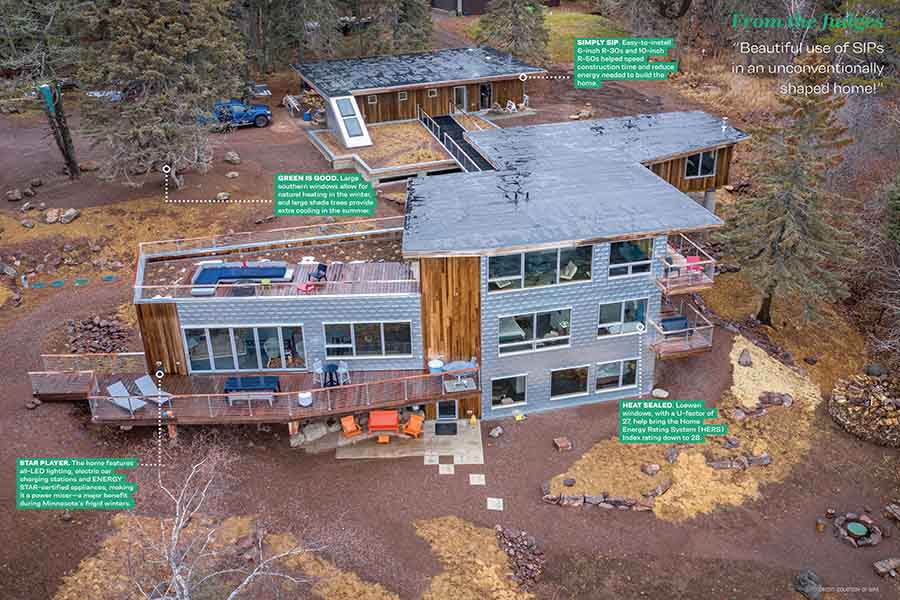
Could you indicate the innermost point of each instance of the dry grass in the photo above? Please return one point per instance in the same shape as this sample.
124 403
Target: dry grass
474 566
472 122
697 488
711 82
393 145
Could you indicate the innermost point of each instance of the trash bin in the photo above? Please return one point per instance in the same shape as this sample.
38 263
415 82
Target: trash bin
435 365
307 115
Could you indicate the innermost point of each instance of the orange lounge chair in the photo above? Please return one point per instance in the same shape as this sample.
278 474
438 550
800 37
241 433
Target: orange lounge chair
350 426
413 427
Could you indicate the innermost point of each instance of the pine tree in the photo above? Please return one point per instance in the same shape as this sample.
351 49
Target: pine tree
515 26
412 25
170 60
790 234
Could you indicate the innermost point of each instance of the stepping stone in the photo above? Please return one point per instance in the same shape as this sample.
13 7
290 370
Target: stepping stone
446 459
477 479
80 282
495 503
446 469
431 459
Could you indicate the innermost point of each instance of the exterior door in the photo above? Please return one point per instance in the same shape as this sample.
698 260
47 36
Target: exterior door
447 410
459 98
486 96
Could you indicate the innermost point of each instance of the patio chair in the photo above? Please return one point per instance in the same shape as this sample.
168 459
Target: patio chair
318 372
413 426
693 267
120 396
151 392
350 427
343 372
320 274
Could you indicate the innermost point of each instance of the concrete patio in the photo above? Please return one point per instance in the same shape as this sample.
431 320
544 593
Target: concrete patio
465 447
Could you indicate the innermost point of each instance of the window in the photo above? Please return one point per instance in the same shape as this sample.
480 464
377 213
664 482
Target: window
565 383
402 96
630 258
525 333
617 375
372 99
508 391
432 93
368 340
538 269
348 115
700 165
618 318
245 348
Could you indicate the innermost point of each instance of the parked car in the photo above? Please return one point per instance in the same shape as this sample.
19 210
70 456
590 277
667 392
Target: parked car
234 113
258 90
111 95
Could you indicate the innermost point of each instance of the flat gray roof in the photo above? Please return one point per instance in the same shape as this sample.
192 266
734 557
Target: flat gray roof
344 76
641 138
562 184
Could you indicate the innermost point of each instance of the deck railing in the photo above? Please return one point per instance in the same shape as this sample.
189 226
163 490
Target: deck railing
687 267
288 406
130 362
428 122
382 287
682 333
460 155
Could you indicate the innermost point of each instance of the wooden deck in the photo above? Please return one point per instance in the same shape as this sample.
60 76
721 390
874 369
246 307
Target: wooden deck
199 399
65 386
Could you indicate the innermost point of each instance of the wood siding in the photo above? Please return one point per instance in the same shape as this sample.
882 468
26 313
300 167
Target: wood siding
161 335
673 172
451 308
388 106
469 403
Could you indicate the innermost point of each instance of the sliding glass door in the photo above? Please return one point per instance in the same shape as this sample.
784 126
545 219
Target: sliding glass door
246 348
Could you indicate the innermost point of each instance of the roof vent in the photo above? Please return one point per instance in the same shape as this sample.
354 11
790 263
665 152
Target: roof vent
724 124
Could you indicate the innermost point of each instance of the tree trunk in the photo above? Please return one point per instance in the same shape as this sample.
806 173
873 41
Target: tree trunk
56 118
764 315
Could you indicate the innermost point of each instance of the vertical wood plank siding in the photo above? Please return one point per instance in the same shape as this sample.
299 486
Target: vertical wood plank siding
389 107
673 172
161 335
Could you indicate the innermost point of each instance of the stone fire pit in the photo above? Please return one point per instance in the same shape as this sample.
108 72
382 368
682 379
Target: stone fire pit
857 530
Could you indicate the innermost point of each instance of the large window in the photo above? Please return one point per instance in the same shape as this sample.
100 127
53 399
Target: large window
508 391
616 318
700 165
535 331
569 382
617 375
538 269
631 257
368 340
348 115
245 348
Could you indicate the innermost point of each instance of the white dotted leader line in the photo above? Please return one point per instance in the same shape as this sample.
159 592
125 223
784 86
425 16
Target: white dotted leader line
525 76
168 170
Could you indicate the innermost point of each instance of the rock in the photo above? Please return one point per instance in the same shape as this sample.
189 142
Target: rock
36 182
496 432
810 360
89 165
297 440
830 512
28 192
569 482
744 358
731 442
314 431
672 455
659 393
70 215
223 196
820 525
594 500
51 216
66 516
571 501
8 270
875 370
605 505
650 469
232 174
31 404
550 499
232 158
729 188
738 414
888 566
27 223
14 195
892 511
659 490
808 583
562 444
887 530
27 206
644 504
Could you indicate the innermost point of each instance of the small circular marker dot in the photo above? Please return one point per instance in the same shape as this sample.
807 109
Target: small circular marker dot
166 169
640 327
159 374
523 76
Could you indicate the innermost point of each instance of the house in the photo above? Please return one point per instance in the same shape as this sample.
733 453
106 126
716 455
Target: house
557 277
472 7
362 91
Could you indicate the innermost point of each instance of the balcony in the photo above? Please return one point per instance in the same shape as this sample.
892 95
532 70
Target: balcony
687 267
681 332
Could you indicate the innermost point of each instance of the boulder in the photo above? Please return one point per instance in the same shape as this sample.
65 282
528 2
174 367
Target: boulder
232 158
672 455
70 215
27 223
223 196
14 195
232 174
51 216
888 566
570 482
571 501
810 360
650 469
595 500
744 358
562 443
314 431
27 206
659 393
496 432
28 192
808 583
36 182
875 370
89 165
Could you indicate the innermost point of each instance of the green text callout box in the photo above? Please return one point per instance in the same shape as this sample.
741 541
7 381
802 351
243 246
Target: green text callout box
74 484
620 59
323 195
667 422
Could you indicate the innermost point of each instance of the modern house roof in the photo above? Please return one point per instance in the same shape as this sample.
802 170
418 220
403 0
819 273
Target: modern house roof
344 77
561 184
641 138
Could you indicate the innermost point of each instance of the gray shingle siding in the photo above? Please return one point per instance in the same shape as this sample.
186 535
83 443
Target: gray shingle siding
312 313
585 348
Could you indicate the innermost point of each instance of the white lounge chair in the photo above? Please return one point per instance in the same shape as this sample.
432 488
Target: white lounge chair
120 396
343 372
151 392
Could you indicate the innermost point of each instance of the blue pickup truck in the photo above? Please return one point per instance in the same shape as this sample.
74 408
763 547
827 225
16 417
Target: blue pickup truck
234 113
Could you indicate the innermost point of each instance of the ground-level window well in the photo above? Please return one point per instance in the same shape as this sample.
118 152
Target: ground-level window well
508 391
569 382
